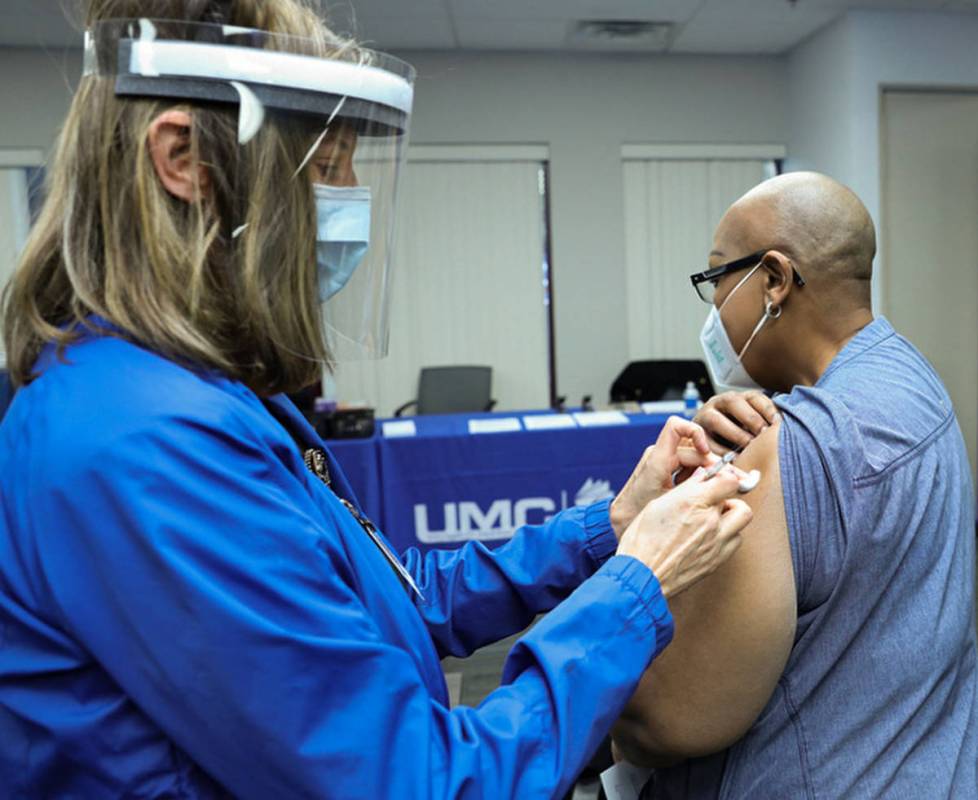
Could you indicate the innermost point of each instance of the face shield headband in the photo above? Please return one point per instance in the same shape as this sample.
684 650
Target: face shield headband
353 106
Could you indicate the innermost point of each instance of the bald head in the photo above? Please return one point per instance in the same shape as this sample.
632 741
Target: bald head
817 221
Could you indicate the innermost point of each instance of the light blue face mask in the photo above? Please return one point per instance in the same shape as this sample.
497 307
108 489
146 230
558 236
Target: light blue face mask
343 234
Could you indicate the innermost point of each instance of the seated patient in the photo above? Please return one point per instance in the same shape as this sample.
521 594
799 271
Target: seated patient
834 655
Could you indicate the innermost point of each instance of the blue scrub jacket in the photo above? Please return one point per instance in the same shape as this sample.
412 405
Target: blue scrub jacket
186 611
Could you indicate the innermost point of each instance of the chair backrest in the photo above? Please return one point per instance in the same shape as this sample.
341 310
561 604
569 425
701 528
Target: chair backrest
6 391
645 381
454 390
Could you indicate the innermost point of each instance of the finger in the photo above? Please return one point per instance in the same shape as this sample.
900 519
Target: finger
683 475
688 457
717 448
736 516
701 469
712 491
699 439
718 401
741 475
721 426
743 413
678 428
732 505
694 442
764 406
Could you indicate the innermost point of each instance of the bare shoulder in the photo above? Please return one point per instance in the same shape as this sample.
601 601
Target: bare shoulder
762 454
734 632
767 500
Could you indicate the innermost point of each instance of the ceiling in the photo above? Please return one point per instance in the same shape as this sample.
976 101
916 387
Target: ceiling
699 26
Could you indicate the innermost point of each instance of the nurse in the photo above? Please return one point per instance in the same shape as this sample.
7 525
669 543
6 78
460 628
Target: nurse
192 603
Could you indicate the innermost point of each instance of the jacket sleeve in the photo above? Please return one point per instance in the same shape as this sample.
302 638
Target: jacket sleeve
474 596
212 595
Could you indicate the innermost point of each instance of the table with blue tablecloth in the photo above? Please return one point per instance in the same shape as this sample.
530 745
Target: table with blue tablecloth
431 482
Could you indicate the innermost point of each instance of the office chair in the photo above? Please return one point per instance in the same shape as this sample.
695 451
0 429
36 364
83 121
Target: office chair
452 390
6 391
646 381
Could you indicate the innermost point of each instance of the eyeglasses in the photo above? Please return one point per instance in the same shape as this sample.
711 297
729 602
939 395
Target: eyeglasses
705 283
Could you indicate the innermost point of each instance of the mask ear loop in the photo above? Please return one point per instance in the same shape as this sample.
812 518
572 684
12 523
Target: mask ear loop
740 283
769 313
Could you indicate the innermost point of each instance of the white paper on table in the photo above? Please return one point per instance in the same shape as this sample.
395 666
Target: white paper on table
548 422
664 407
624 781
494 425
590 419
400 427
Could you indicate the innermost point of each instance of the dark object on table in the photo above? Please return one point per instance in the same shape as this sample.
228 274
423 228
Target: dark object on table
452 390
305 398
647 381
346 423
586 403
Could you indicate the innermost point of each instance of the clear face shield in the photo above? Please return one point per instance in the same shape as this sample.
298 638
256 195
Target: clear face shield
321 130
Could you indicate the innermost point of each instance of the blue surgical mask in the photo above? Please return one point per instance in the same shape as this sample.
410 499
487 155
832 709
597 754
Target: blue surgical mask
343 234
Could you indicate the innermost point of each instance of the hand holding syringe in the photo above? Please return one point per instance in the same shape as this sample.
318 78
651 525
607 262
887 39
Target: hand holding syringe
747 483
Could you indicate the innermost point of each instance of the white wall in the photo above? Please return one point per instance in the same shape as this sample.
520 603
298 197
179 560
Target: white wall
15 214
35 91
819 75
835 84
584 107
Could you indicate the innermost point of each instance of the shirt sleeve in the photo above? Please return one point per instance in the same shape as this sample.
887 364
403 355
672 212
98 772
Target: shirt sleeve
474 596
213 596
815 450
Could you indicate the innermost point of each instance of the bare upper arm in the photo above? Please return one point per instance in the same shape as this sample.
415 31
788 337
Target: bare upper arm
734 632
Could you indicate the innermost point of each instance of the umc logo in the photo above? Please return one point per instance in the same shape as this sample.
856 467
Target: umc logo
466 520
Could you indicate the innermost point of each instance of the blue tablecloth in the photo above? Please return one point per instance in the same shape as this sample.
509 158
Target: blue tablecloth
444 485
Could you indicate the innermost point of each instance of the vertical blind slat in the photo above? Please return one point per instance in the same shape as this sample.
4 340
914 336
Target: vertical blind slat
671 210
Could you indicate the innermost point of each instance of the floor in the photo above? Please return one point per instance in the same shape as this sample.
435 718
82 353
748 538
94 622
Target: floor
480 672
472 678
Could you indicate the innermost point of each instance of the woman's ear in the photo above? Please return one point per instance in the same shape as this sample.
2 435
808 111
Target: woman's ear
778 274
168 139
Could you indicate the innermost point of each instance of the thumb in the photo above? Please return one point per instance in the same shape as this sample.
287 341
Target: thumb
712 491
736 516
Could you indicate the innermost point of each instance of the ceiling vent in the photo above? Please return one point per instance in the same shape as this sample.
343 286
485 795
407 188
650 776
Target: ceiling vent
621 34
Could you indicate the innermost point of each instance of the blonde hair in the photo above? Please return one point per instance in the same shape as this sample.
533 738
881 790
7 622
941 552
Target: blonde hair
111 241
